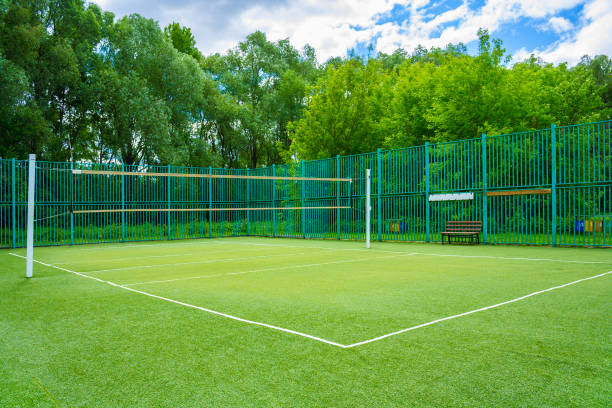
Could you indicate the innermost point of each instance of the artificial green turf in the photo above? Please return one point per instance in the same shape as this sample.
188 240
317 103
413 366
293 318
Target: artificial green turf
73 341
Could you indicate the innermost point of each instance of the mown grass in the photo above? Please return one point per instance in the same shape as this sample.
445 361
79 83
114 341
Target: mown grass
75 342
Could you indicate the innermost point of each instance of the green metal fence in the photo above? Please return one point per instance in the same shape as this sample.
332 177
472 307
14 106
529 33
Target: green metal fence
547 187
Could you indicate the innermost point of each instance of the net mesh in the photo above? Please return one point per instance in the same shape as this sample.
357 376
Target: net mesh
177 203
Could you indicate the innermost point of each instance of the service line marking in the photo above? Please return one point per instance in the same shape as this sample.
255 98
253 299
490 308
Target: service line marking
204 252
263 270
127 268
140 244
309 336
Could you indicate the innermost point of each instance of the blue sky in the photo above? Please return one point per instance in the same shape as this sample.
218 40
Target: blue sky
554 30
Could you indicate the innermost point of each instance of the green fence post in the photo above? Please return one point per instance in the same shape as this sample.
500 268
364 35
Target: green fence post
14 204
484 188
379 194
303 200
210 212
554 183
123 203
426 191
338 197
71 203
248 202
273 201
168 199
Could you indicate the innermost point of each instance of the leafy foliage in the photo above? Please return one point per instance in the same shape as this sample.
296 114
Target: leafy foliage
77 82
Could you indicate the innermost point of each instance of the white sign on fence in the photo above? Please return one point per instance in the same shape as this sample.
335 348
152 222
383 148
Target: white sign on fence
451 197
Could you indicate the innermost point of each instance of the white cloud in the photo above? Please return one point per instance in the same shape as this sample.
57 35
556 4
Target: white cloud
559 24
330 27
333 26
593 37
491 16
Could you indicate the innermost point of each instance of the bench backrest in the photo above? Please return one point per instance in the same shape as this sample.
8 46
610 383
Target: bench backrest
464 226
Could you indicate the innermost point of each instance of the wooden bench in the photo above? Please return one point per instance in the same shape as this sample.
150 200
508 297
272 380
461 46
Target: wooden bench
464 231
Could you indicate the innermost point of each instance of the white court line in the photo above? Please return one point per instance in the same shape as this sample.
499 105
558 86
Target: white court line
474 311
171 243
204 242
127 268
322 340
511 258
154 256
328 248
253 322
259 270
440 255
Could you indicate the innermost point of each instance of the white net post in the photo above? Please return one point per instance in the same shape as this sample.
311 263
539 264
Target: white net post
368 208
30 234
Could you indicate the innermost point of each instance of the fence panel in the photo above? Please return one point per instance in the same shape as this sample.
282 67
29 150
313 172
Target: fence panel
543 187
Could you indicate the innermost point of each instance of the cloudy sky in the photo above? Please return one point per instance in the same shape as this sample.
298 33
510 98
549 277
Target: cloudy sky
555 30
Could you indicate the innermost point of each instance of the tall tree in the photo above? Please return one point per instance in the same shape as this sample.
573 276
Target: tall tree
256 75
162 87
346 113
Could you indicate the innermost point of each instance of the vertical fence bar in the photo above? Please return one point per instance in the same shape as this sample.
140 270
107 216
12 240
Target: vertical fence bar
248 203
210 206
427 227
273 201
168 202
484 189
338 197
553 144
378 195
368 209
13 203
303 201
71 191
31 203
123 203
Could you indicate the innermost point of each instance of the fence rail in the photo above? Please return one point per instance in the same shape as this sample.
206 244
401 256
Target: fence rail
545 187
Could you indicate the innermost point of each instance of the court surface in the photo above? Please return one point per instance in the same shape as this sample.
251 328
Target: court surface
270 322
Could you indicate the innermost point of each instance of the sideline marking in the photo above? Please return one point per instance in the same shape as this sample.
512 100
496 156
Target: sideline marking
475 310
47 392
206 242
432 254
322 340
260 270
282 329
510 258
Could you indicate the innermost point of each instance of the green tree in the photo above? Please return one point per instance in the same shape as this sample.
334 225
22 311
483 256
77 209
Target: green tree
23 129
162 88
346 112
601 69
53 42
182 39
267 80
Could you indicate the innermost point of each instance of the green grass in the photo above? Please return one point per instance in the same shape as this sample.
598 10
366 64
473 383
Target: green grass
70 341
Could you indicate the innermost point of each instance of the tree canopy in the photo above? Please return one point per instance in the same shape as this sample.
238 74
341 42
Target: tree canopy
74 76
